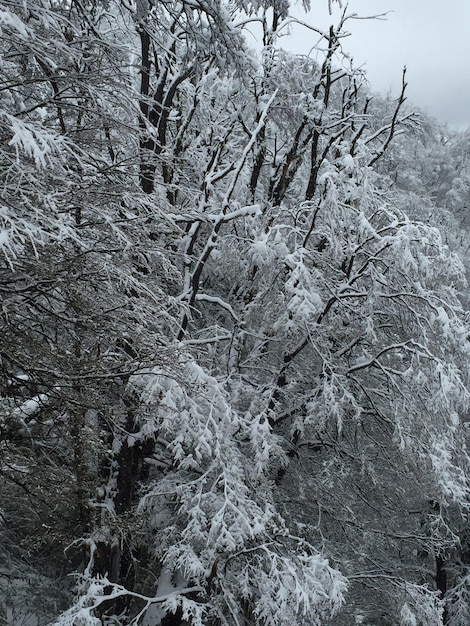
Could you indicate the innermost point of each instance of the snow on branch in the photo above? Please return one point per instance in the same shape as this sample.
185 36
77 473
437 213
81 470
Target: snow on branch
8 20
204 297
35 142
102 590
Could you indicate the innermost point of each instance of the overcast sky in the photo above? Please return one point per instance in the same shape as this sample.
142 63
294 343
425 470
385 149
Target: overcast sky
430 37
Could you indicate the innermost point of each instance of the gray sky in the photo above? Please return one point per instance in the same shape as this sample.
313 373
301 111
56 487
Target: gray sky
430 37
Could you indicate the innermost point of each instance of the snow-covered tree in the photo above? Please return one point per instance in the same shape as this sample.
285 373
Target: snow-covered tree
232 367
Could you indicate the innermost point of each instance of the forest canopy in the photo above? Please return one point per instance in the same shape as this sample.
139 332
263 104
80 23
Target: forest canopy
234 331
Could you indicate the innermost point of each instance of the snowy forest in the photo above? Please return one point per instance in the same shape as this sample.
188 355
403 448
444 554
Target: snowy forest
234 326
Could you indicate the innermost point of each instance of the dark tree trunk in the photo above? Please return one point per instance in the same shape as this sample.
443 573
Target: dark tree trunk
441 584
